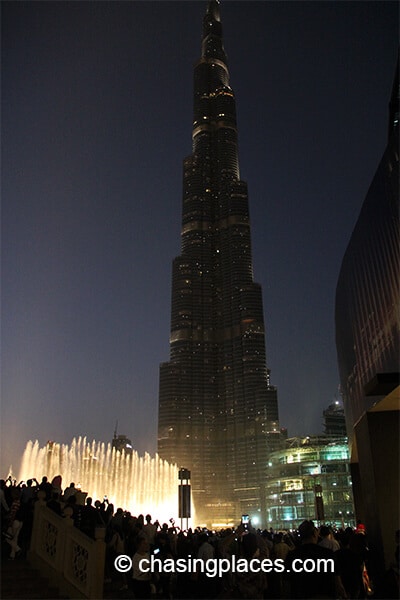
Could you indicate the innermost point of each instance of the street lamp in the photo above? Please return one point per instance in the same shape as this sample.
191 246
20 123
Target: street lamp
184 496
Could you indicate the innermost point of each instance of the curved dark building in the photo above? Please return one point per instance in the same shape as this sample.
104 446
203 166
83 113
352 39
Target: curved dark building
367 296
218 412
368 346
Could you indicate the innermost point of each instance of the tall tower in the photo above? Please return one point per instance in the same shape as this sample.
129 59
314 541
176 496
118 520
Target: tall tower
218 412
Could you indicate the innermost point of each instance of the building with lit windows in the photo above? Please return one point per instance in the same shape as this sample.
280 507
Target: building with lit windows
334 420
310 479
367 321
218 411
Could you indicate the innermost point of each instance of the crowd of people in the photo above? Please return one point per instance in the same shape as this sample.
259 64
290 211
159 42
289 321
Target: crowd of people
140 537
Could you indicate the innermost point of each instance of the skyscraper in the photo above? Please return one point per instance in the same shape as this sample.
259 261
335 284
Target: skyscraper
218 412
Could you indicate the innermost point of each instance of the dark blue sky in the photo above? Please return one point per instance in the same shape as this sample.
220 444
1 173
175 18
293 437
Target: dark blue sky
96 120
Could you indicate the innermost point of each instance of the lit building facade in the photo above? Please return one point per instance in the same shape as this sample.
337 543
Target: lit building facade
310 479
218 411
367 320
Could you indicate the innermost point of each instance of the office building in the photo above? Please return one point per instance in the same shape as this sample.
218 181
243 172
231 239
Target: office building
310 479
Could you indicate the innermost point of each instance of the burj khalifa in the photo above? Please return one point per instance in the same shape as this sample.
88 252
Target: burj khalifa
218 412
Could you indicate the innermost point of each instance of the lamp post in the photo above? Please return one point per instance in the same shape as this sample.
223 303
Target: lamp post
319 503
184 496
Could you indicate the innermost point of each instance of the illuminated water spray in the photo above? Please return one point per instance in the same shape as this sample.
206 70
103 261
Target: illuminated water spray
140 484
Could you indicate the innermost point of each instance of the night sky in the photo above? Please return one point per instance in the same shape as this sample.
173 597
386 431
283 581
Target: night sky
96 120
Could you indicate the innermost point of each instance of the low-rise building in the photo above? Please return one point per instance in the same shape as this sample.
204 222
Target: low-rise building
310 479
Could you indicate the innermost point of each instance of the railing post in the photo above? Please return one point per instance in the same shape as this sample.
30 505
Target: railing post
66 524
97 574
70 559
37 528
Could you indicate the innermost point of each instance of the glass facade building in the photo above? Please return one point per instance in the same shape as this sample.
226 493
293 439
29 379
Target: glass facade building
367 313
218 412
367 320
306 471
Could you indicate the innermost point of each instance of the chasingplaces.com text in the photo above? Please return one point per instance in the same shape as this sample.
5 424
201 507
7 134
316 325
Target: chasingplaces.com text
217 567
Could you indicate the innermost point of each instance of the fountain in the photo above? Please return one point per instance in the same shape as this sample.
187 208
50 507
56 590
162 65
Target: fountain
140 484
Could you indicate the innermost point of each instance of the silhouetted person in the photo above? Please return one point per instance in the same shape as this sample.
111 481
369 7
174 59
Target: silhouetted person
46 487
69 491
350 561
251 584
150 530
3 502
54 504
14 523
90 519
28 493
311 584
328 541
141 579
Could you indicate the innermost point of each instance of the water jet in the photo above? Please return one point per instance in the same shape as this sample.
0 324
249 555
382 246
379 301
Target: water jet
139 484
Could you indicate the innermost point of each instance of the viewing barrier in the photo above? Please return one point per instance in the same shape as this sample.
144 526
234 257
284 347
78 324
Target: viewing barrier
73 562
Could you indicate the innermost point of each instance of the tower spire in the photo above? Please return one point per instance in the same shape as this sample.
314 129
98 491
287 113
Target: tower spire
394 101
213 9
212 46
